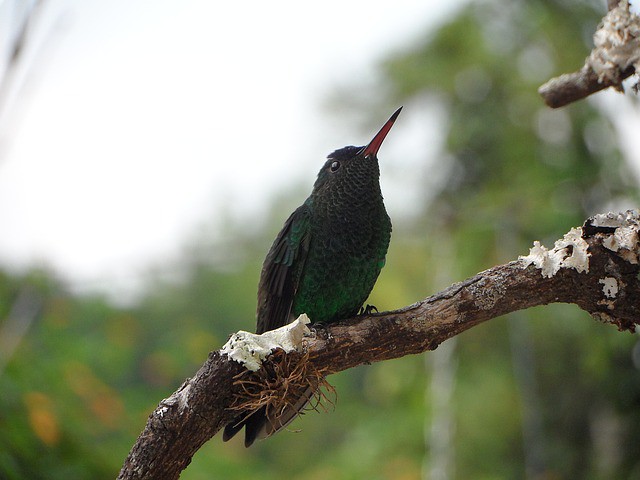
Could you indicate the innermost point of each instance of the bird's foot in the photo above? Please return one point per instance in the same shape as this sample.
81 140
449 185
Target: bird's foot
367 310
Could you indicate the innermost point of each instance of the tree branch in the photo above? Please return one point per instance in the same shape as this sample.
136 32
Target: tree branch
595 267
615 57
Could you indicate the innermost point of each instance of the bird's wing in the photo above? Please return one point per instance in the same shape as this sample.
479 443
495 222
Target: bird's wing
279 282
282 270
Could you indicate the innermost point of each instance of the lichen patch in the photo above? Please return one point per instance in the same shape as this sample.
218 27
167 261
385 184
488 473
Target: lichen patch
251 349
568 252
617 44
486 294
609 287
624 241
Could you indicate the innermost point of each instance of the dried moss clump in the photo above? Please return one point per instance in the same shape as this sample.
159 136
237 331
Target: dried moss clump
282 381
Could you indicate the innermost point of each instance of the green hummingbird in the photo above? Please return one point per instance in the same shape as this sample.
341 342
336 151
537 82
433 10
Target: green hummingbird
325 260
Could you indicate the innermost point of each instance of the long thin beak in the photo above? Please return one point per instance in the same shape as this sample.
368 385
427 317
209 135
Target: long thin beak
374 145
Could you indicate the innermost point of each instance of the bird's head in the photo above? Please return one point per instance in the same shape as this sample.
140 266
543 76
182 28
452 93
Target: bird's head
353 168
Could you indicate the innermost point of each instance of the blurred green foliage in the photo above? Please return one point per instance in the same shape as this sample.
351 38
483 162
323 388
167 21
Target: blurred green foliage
77 391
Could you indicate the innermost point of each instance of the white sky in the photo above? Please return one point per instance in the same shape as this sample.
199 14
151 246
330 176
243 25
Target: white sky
140 120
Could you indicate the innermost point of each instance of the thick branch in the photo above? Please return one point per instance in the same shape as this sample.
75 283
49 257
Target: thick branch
615 57
595 267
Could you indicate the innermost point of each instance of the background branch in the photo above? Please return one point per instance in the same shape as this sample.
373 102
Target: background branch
609 289
570 87
615 57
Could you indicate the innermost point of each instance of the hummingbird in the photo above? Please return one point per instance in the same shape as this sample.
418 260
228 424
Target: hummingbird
325 260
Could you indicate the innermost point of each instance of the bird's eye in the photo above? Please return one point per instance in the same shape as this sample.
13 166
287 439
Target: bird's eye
335 165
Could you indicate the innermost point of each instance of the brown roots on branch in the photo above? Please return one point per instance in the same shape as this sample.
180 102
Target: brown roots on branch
282 380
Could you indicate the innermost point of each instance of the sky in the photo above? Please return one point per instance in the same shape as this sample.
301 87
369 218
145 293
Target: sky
129 124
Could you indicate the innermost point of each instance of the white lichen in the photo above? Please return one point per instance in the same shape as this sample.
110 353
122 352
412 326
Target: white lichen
615 219
609 287
251 349
617 44
568 252
161 411
624 240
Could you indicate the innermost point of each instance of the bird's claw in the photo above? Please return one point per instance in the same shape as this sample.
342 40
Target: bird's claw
367 310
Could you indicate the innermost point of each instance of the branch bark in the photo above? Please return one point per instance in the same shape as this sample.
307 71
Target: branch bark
571 87
615 57
595 267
